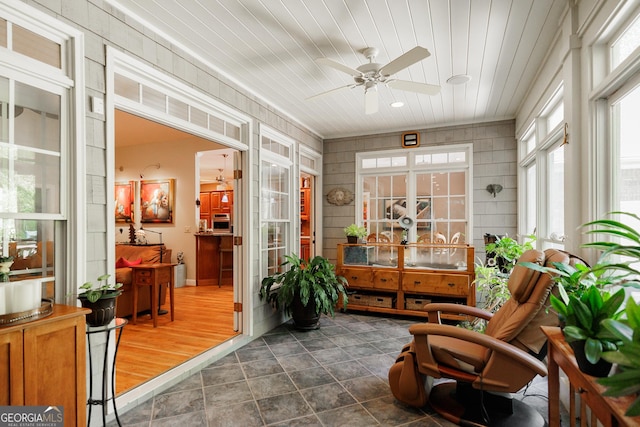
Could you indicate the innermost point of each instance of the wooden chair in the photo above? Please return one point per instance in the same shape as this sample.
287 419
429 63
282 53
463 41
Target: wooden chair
454 241
440 239
377 238
424 238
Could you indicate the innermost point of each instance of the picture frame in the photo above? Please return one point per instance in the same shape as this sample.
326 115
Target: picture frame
157 200
124 193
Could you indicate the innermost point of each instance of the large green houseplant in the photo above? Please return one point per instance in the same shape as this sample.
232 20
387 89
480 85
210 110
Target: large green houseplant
305 289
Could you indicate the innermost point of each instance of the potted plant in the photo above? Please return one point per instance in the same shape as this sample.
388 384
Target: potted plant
305 289
5 267
584 330
101 299
626 380
355 232
505 251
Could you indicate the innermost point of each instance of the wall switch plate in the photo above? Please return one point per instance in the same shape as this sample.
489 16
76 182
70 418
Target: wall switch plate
97 105
187 229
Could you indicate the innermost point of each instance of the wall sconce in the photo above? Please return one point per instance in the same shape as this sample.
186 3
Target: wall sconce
494 189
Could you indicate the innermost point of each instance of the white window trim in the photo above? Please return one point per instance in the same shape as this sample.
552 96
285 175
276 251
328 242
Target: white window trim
411 154
71 273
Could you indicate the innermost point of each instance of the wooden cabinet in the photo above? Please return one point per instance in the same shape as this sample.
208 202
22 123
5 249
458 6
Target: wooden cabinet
213 202
42 363
211 267
401 279
305 194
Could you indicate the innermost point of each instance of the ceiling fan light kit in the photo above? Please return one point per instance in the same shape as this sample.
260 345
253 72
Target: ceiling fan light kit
371 74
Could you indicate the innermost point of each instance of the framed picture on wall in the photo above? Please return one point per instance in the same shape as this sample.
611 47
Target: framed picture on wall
157 200
124 196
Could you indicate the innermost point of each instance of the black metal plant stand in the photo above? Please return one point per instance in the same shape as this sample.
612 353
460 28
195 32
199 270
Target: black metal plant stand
117 327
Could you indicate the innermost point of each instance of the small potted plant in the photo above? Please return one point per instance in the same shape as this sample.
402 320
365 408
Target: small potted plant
305 289
101 299
5 267
355 232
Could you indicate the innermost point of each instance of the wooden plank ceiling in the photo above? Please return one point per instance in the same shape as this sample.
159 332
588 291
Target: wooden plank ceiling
270 46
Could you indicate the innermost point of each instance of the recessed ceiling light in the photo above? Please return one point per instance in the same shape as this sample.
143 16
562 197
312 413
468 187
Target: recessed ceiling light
459 79
397 104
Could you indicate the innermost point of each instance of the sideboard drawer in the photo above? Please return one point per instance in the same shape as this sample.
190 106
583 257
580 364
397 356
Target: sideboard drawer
357 277
447 284
383 279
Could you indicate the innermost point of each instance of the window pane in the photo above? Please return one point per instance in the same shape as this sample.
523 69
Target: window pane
234 132
37 121
3 33
555 191
35 46
531 206
555 117
629 178
154 99
626 44
29 242
4 110
198 117
34 187
217 125
178 109
126 87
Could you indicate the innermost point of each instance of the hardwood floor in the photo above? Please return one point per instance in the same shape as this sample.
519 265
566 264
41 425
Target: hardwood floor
203 319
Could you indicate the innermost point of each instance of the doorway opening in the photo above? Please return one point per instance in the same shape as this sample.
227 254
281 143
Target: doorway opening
146 150
307 216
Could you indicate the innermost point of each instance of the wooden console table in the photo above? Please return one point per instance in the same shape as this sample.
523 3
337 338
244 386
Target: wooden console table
609 410
152 275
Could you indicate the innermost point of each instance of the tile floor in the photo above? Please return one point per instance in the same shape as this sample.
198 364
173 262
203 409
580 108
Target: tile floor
333 376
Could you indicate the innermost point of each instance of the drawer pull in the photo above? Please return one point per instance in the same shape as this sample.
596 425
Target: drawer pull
451 285
354 277
416 282
383 280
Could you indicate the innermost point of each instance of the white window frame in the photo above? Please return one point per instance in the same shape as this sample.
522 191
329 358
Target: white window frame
285 162
410 169
546 140
70 228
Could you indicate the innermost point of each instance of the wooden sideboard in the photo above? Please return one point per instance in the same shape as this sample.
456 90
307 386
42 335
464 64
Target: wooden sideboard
401 279
608 410
43 363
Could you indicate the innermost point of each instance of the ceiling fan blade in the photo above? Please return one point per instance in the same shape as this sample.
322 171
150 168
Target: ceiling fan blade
416 54
371 101
414 87
329 91
338 66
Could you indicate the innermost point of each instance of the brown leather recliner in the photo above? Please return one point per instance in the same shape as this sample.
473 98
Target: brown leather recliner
487 367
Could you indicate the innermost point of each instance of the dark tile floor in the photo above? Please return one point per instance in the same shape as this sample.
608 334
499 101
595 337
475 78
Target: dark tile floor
333 376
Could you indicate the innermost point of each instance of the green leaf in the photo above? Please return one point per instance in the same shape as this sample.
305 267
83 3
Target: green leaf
593 350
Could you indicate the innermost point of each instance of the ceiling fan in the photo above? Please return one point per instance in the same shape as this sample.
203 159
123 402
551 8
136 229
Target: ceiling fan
371 74
220 178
